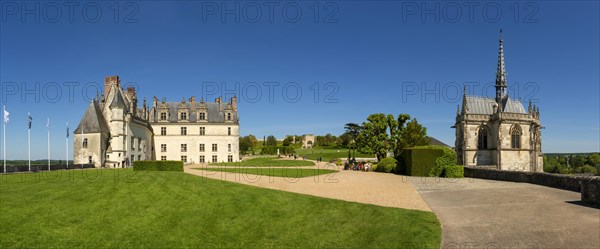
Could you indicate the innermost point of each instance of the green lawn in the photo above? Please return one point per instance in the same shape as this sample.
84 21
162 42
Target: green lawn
266 162
328 155
126 209
276 172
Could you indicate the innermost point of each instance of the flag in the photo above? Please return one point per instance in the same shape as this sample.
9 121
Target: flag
48 123
29 120
5 116
67 129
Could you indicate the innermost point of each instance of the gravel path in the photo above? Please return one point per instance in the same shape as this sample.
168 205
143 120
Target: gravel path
380 189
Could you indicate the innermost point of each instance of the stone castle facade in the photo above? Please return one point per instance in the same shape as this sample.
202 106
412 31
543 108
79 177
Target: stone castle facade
114 132
499 132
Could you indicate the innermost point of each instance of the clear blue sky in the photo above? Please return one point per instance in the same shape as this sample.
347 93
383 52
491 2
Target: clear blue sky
379 56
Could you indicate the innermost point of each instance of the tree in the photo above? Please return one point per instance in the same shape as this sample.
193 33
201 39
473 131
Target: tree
352 129
271 141
245 144
413 135
373 138
382 133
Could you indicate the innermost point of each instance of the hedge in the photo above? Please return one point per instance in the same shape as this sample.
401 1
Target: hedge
448 159
419 161
455 171
387 165
157 166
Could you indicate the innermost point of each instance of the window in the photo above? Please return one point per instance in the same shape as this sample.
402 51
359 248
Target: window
184 159
229 131
201 147
183 116
132 143
89 159
183 147
229 158
163 131
183 131
202 131
515 137
482 138
163 148
214 147
229 116
163 116
85 143
163 158
201 159
214 158
139 157
202 116
228 147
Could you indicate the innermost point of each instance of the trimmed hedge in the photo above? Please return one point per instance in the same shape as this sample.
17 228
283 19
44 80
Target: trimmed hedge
387 165
419 161
455 171
158 166
448 159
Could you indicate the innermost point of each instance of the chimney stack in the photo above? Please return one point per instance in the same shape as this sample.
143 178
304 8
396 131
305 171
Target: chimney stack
108 82
218 100
234 103
193 104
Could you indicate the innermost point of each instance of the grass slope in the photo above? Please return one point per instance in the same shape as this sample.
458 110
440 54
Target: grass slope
267 162
276 172
120 208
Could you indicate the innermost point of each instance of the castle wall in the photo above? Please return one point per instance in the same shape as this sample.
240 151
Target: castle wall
96 144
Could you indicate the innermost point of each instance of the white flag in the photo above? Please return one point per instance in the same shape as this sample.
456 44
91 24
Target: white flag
5 116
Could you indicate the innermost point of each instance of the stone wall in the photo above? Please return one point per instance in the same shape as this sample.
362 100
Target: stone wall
588 186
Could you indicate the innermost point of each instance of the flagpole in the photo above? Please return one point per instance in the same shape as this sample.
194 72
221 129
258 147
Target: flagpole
67 146
48 143
29 140
4 145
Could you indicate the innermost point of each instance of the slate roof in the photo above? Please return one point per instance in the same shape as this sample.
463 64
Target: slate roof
483 105
434 141
117 100
212 109
92 121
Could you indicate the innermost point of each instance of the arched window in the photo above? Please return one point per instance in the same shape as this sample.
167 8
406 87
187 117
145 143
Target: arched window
482 138
515 137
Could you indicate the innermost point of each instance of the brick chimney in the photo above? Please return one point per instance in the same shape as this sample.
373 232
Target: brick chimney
108 82
218 100
193 104
131 92
234 103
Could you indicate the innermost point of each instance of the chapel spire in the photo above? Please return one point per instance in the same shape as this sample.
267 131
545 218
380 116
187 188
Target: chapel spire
500 73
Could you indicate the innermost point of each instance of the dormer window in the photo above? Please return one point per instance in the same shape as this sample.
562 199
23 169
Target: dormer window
163 116
202 116
183 116
229 116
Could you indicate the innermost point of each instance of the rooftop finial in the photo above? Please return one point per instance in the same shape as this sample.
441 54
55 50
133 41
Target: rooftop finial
500 73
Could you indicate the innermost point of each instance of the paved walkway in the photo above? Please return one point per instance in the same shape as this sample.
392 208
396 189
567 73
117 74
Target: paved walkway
381 189
477 213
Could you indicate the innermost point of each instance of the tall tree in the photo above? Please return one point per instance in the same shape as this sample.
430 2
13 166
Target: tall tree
352 129
373 138
413 135
271 141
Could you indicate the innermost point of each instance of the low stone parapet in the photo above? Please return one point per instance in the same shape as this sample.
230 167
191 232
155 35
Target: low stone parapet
588 186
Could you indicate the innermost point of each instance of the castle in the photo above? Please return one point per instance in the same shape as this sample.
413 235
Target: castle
114 132
498 132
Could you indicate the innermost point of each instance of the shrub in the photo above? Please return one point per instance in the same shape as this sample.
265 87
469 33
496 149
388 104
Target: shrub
589 169
447 159
157 166
419 161
387 165
455 171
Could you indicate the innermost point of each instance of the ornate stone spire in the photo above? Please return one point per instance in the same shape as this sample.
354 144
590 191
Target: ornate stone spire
500 73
